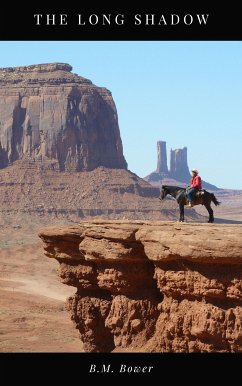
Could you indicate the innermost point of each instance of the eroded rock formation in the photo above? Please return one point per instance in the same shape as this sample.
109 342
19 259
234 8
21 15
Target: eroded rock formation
178 165
48 113
152 286
161 158
178 174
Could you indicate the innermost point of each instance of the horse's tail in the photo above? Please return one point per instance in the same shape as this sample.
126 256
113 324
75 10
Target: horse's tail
214 199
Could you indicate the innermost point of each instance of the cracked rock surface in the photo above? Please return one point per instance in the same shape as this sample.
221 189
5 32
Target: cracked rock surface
152 286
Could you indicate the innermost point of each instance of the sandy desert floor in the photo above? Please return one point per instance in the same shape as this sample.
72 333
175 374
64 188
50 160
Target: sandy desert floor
33 317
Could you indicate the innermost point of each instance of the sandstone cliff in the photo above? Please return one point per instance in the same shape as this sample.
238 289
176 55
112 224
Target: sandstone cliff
152 286
49 113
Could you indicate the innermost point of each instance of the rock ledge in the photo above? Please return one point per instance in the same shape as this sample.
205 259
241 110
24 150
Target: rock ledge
152 286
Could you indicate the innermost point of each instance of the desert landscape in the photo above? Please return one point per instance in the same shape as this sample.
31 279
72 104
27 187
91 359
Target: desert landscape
32 300
62 165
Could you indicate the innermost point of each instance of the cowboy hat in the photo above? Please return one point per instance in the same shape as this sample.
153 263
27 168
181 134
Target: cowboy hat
195 171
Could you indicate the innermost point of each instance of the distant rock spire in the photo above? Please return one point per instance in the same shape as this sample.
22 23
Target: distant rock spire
179 170
178 165
161 157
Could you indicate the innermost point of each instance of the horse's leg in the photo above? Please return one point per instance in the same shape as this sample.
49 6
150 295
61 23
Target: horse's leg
210 211
181 206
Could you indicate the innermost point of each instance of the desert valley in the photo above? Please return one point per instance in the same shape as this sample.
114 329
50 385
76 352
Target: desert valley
69 205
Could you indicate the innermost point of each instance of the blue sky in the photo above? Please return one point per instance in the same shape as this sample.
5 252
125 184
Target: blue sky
186 93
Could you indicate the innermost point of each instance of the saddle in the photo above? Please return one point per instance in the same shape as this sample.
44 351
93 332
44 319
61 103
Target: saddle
200 193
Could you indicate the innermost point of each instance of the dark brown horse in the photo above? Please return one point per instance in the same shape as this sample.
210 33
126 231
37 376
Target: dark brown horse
201 197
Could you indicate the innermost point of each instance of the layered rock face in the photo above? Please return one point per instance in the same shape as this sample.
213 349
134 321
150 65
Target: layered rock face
152 286
48 113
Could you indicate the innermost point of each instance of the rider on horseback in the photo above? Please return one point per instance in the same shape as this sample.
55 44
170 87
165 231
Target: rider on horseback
195 185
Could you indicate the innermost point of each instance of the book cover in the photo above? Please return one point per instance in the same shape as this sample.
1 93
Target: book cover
98 111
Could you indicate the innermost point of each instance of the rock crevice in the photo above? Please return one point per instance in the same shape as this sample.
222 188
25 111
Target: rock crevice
152 286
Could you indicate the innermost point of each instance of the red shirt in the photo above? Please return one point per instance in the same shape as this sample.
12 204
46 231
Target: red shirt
196 182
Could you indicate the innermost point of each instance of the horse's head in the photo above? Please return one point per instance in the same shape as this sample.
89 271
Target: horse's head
163 192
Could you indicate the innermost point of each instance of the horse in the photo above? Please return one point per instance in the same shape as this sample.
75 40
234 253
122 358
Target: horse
201 197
